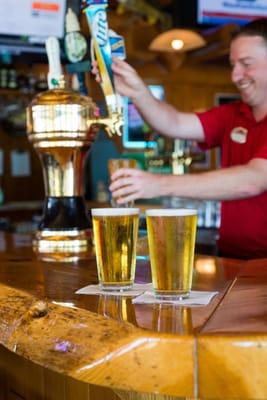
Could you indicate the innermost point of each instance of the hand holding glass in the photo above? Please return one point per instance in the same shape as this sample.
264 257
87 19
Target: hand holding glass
113 165
171 239
115 235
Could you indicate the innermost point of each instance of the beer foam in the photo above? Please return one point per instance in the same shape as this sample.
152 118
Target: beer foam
170 212
114 211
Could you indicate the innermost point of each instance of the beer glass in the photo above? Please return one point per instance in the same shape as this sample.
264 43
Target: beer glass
113 165
171 239
115 236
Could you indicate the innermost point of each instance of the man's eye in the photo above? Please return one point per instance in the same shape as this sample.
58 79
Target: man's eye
247 63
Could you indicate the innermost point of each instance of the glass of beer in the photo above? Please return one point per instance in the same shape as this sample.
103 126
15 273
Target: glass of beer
115 236
117 163
171 240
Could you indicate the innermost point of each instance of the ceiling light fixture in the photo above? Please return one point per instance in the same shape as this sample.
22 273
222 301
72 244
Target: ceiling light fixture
177 44
177 40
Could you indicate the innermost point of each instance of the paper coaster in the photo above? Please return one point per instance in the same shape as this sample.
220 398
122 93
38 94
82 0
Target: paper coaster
136 290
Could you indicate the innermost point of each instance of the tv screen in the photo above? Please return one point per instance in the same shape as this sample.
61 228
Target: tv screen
137 133
26 24
230 11
224 98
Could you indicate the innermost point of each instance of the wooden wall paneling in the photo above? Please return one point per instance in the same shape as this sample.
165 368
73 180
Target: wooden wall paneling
198 97
14 396
19 188
208 74
187 98
22 188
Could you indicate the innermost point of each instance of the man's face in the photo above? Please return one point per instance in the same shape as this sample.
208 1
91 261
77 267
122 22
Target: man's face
248 57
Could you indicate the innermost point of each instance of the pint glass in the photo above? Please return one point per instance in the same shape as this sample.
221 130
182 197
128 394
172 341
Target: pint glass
115 236
171 239
117 163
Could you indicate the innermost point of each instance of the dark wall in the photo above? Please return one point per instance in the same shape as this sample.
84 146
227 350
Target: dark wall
184 13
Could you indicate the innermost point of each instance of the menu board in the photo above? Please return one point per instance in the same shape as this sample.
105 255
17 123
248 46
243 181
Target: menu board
32 18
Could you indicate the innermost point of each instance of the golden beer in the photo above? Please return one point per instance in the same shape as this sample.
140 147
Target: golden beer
171 239
115 236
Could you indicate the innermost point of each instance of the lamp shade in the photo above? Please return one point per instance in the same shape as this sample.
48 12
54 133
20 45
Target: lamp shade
177 40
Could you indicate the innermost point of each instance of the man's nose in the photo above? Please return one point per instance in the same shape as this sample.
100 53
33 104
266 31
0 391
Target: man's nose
237 73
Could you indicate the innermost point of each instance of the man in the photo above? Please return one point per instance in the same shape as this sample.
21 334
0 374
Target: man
240 129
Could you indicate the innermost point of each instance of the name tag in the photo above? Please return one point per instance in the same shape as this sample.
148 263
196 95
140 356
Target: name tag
239 135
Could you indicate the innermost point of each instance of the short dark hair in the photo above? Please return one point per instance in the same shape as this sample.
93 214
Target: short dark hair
257 27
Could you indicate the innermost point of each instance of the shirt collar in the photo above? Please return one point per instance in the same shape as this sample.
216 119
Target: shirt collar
246 110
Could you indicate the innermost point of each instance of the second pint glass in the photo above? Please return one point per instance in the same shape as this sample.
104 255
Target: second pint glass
171 239
115 236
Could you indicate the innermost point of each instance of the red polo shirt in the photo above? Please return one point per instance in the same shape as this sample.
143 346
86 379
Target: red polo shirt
243 231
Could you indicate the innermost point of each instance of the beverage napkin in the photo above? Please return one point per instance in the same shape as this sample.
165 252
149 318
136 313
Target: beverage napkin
136 290
196 298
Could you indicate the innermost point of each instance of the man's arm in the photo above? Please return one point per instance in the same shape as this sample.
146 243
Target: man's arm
225 184
162 117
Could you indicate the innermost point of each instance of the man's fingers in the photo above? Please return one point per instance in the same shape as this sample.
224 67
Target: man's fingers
125 194
126 199
95 71
125 172
121 183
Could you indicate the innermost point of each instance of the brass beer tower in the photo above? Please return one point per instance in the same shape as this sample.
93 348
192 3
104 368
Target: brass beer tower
62 125
57 125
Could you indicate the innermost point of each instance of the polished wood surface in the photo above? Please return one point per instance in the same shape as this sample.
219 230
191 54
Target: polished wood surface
233 346
20 268
168 350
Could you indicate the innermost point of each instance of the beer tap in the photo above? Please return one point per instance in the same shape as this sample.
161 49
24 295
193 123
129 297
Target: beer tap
181 160
101 50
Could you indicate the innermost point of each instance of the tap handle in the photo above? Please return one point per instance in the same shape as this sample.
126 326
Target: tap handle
53 53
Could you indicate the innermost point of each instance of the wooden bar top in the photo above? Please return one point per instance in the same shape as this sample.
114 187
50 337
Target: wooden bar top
217 351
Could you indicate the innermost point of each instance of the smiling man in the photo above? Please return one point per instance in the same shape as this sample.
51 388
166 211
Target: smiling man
239 129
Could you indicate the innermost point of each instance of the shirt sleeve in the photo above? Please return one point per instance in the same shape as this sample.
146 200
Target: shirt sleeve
213 123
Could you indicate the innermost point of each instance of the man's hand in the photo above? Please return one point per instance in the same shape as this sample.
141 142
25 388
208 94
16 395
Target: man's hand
95 71
129 184
126 79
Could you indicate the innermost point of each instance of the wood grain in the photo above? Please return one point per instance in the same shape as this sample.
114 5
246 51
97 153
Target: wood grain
91 348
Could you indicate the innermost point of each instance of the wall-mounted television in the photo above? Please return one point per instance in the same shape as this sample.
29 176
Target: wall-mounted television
230 11
26 24
137 133
224 98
